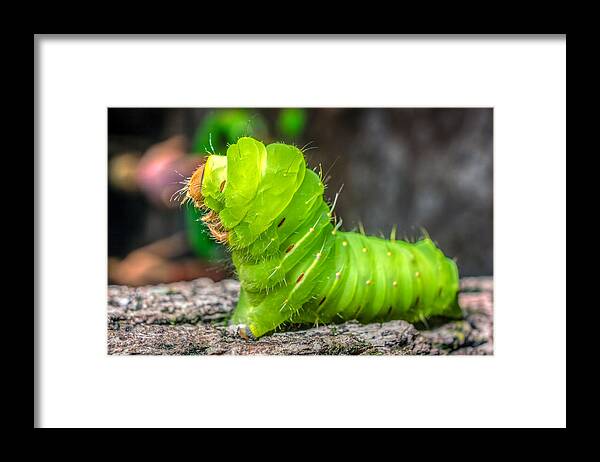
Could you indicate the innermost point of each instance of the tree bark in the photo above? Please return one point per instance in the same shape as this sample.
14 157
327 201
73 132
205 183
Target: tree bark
187 318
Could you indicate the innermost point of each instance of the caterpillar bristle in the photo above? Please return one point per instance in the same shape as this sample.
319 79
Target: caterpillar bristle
210 142
393 233
305 146
332 165
361 228
424 233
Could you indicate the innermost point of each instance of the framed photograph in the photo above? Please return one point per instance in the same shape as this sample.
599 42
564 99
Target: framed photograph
250 220
195 270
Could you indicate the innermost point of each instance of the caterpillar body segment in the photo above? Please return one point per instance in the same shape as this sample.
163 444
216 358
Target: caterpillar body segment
294 266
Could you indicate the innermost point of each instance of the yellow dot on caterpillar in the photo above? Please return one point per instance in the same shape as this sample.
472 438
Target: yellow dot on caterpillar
389 254
345 243
395 284
364 249
333 232
312 230
369 282
417 274
318 255
338 274
272 239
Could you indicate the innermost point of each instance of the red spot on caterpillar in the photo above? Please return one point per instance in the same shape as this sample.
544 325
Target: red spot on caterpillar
322 300
289 248
299 278
222 186
281 222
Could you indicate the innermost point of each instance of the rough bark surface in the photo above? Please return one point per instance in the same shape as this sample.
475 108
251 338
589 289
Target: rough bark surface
189 318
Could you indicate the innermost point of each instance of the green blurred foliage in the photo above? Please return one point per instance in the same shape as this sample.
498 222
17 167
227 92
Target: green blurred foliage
225 126
291 122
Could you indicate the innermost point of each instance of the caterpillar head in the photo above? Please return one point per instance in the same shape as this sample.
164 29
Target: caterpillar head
246 190
194 186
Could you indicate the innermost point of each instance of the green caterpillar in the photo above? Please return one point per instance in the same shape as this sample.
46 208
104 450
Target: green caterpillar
294 263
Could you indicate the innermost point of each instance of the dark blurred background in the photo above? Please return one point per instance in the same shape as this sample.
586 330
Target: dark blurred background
429 168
